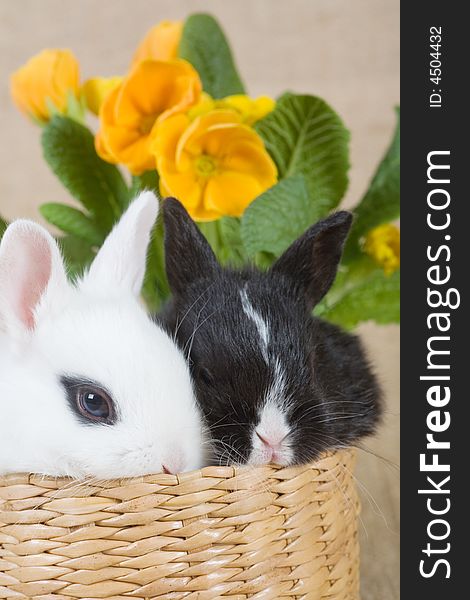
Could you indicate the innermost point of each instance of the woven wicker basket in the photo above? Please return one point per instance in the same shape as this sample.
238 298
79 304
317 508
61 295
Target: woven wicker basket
223 532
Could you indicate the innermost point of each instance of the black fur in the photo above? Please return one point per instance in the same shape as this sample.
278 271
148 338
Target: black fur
333 397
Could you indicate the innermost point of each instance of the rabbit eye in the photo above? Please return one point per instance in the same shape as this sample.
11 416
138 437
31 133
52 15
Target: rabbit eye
205 376
89 401
95 405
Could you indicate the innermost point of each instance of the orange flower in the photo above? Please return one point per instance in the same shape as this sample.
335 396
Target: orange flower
152 91
215 164
46 79
160 43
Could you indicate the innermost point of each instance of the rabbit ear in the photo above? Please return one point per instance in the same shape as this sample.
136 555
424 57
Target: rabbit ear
188 255
312 260
32 273
121 261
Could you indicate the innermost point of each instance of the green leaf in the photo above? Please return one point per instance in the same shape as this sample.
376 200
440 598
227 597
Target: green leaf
78 254
306 137
3 226
69 150
210 230
73 221
146 181
156 289
232 249
277 217
205 46
376 298
381 202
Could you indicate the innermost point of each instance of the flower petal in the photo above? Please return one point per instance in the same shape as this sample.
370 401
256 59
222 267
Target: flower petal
131 112
207 134
154 87
160 42
184 186
102 148
252 159
230 193
250 109
47 77
166 135
96 89
65 78
383 245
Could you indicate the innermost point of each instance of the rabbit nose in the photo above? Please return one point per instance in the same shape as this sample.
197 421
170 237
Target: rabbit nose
175 463
271 441
272 446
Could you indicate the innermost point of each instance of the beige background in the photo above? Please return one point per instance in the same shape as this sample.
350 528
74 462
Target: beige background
342 50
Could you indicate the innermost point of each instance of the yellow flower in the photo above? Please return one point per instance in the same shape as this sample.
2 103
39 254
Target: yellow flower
96 89
152 91
206 104
249 109
216 165
47 78
383 245
160 43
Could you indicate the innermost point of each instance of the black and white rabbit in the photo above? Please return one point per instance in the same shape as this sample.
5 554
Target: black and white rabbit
89 384
275 384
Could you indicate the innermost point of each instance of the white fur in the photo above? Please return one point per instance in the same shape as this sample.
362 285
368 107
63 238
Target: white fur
270 439
260 323
96 329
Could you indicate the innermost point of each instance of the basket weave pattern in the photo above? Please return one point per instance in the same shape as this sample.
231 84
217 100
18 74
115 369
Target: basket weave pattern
222 532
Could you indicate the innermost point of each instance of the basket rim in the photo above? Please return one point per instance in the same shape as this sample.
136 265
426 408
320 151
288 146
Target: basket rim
227 531
323 463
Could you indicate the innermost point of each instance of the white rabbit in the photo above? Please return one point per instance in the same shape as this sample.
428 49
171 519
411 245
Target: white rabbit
89 384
